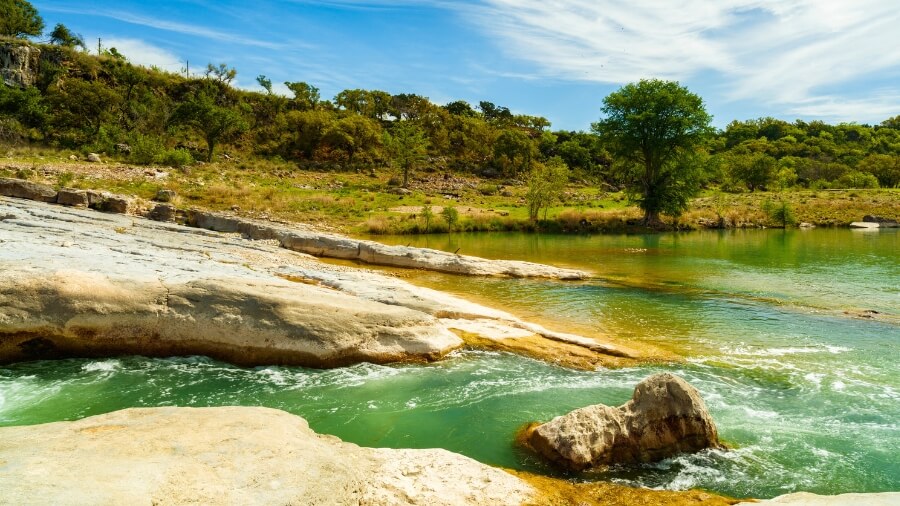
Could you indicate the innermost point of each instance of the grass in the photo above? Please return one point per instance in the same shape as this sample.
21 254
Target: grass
360 203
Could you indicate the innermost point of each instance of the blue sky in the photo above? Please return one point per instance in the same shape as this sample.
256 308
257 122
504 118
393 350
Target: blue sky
834 60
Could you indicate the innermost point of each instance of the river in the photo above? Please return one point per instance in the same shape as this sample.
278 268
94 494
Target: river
792 338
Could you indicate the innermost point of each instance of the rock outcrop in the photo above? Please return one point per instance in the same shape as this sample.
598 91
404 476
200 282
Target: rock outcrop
19 188
335 246
74 282
231 455
666 416
19 64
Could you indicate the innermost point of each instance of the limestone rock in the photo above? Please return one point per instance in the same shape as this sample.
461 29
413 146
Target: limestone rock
808 499
72 197
136 286
19 64
231 455
336 246
23 189
164 195
110 203
666 416
94 158
156 289
163 212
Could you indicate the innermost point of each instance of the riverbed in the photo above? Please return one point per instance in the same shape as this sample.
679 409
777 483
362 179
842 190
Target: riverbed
792 337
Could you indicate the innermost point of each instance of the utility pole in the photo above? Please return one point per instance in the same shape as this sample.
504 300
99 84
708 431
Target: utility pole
99 47
187 69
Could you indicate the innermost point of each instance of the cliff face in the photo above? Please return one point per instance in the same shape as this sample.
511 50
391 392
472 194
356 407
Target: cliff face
19 64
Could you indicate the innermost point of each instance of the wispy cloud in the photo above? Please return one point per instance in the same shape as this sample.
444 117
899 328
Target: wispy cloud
176 27
782 52
143 53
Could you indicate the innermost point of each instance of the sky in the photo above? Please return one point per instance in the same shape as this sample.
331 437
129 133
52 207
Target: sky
833 60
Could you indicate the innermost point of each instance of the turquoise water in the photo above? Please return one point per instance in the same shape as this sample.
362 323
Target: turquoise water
802 385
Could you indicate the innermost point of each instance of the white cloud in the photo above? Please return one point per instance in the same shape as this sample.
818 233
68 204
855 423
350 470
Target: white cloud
174 26
781 52
146 54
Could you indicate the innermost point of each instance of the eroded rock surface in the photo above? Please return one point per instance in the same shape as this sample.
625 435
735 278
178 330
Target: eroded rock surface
74 282
231 455
19 64
336 246
666 416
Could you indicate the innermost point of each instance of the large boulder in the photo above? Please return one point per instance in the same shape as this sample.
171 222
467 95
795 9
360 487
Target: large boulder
666 416
72 197
23 189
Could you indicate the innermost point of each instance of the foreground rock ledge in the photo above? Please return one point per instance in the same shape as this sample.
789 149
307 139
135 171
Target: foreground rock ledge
230 455
666 416
75 282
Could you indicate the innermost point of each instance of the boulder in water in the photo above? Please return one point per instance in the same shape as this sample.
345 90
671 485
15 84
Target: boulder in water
666 416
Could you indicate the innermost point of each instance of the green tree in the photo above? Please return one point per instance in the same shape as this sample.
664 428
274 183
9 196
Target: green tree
20 19
545 186
451 216
216 123
353 135
884 167
653 127
756 170
514 151
265 82
427 215
407 145
306 96
220 73
62 36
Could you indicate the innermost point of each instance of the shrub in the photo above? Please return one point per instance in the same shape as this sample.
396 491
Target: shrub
176 157
780 212
857 179
145 149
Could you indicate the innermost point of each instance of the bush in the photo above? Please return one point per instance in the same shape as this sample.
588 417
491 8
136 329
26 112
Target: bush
176 157
780 212
145 149
488 189
857 179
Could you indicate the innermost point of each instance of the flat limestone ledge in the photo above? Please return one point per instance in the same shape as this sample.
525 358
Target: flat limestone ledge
231 455
866 225
321 244
74 282
808 499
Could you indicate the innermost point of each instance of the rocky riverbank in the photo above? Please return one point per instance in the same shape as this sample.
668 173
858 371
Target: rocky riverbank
76 282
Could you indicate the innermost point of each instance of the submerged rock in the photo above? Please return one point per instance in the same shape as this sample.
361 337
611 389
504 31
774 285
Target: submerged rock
231 455
666 416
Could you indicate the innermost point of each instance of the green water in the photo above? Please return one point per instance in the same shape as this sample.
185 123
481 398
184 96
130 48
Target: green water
809 396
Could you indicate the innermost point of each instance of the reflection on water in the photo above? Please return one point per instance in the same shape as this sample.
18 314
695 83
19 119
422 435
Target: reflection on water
808 397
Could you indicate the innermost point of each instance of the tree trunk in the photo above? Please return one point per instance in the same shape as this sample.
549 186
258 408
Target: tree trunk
652 219
210 145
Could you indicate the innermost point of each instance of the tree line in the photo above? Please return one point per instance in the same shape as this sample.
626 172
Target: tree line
104 103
